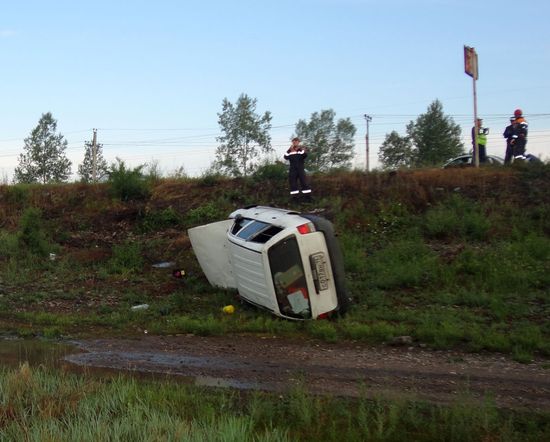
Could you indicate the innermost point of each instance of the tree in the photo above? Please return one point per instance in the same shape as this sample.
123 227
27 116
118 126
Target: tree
396 151
435 137
330 145
245 135
44 160
86 168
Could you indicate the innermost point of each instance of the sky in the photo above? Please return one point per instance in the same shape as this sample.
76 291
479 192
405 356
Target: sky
151 76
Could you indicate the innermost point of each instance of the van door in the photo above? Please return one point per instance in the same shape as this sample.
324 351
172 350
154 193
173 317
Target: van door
211 247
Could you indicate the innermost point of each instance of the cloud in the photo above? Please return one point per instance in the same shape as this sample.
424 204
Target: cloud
6 33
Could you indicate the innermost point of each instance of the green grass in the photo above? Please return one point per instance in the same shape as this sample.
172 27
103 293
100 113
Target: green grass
465 270
36 404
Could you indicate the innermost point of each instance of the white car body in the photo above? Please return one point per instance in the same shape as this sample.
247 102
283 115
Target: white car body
276 259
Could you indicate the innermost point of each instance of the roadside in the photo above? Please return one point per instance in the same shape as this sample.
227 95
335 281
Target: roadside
343 369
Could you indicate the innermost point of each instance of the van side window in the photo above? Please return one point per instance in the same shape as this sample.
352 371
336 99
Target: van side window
255 231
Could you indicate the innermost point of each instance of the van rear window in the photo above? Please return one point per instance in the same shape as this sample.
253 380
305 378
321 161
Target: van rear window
289 279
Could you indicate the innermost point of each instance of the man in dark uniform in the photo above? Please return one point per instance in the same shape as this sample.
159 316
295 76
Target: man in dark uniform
508 132
519 135
296 155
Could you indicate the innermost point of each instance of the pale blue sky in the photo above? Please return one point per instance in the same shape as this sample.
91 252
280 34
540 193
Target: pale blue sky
151 76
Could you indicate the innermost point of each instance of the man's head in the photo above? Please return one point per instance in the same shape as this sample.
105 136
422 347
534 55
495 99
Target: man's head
479 121
295 142
512 120
518 113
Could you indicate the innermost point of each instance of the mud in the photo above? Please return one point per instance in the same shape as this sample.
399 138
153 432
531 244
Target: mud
349 369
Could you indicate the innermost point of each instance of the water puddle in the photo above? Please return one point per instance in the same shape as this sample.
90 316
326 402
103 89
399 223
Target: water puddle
50 354
141 365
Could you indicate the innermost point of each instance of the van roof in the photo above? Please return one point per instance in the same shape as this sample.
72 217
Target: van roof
271 215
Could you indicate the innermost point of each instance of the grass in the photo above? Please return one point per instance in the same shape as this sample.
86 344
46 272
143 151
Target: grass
465 269
37 404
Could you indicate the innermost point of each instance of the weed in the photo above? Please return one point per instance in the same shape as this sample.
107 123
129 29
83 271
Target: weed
126 258
17 195
456 218
208 212
323 330
161 219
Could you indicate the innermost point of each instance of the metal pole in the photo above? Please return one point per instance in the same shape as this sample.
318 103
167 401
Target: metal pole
94 156
476 131
476 149
368 119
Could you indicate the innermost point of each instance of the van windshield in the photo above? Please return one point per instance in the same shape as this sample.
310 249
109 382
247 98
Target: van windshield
289 279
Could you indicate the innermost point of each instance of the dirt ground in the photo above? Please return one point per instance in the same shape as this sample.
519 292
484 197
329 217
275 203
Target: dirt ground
344 369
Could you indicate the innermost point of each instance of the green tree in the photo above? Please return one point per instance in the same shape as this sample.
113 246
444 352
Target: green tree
86 168
330 145
396 151
435 136
245 135
44 160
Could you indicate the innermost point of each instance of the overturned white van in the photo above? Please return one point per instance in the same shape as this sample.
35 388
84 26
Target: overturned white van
286 262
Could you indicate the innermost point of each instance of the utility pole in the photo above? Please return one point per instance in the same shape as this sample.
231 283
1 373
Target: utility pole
368 119
94 156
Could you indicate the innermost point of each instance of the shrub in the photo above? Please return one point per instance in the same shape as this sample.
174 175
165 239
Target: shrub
128 184
32 237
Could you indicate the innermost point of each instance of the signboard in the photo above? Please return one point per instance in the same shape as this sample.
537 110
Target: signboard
470 62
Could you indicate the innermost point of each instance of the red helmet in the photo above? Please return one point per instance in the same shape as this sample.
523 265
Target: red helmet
518 113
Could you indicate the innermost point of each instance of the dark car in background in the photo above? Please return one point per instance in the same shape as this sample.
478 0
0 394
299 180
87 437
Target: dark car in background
467 160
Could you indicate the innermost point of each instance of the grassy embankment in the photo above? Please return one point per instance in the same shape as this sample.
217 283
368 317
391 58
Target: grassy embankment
36 405
452 258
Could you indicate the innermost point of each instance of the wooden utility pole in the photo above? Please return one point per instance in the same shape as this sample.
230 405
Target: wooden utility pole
94 156
368 119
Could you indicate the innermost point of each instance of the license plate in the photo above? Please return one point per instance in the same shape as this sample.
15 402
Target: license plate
319 268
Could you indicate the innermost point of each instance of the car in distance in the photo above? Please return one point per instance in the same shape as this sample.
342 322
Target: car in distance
466 160
287 262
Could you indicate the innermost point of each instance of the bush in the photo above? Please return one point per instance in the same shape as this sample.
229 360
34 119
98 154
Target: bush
128 184
269 172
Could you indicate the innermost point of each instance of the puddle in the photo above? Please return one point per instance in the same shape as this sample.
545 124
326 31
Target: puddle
50 354
150 365
141 365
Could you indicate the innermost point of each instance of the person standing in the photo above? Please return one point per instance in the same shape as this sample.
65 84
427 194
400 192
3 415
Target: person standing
296 155
508 132
519 135
481 140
